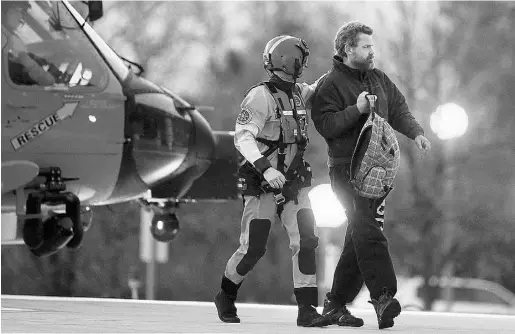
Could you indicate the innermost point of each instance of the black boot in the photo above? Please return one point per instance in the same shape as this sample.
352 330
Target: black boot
226 308
224 301
339 313
386 308
307 299
309 317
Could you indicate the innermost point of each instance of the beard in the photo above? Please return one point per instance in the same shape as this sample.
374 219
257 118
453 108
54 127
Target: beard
364 64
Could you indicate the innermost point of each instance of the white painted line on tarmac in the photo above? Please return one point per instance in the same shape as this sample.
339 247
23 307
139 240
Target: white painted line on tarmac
142 301
239 305
13 309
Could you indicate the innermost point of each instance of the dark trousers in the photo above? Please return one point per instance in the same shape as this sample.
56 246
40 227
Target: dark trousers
365 256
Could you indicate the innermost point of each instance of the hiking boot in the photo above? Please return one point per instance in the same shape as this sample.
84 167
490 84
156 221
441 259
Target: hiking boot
309 317
339 313
386 308
225 307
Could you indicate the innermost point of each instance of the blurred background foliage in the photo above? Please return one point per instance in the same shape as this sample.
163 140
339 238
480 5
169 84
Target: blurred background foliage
210 53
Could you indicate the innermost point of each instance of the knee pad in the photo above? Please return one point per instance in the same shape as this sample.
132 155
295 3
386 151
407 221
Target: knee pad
258 236
308 241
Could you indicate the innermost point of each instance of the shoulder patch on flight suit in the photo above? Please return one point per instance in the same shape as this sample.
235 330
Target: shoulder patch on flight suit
244 117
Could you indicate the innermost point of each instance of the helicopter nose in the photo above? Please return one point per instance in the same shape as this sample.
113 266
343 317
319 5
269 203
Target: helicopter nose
203 146
160 137
161 141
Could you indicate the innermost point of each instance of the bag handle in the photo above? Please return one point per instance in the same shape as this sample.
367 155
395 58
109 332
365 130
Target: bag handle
372 101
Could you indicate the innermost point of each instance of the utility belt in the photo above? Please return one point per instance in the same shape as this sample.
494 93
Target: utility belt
252 183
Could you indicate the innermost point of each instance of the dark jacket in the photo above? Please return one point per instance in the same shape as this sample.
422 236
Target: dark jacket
336 115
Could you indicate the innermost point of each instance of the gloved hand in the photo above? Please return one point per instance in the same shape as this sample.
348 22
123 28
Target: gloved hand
274 178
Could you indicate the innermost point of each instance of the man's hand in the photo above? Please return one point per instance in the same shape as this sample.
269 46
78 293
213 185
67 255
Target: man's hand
423 144
274 178
362 103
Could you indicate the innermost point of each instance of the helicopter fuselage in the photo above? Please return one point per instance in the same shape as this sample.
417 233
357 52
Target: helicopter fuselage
109 134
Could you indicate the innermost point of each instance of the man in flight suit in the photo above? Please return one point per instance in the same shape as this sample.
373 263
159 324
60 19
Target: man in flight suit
271 135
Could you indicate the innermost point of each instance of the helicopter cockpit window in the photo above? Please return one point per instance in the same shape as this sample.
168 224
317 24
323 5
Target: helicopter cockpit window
45 46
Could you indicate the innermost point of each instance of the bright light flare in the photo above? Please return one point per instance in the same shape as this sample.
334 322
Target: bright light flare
160 224
327 209
449 121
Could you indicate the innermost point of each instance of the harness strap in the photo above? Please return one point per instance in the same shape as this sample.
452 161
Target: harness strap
272 146
281 153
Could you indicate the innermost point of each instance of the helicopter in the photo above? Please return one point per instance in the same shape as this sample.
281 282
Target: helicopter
80 129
